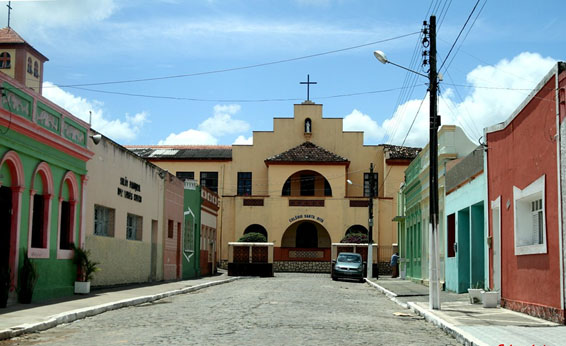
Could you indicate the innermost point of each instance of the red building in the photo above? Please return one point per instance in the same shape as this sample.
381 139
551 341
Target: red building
526 204
210 204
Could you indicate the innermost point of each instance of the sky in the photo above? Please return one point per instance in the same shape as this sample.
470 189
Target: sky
211 72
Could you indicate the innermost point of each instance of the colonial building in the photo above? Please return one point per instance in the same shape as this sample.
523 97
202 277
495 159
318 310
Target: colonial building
43 155
133 217
304 185
526 171
467 265
415 235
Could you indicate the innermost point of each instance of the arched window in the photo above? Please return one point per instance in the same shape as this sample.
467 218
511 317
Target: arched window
255 228
40 204
29 65
5 60
67 210
306 183
308 125
35 69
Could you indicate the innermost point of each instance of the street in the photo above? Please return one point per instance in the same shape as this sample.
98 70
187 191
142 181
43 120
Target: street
289 309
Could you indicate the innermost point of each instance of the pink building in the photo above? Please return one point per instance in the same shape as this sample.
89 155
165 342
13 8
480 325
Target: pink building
526 234
173 221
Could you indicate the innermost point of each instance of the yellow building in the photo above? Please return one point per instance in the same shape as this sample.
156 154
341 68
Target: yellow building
304 185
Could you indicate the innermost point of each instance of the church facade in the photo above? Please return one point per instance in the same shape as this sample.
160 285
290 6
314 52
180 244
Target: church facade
304 185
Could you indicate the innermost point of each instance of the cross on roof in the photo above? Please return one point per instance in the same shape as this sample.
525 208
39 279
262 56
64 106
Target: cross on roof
9 10
308 83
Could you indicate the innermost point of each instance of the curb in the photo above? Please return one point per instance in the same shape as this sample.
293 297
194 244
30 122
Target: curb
77 314
391 295
461 336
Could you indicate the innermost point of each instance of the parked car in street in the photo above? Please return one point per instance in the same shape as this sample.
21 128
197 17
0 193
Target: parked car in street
348 265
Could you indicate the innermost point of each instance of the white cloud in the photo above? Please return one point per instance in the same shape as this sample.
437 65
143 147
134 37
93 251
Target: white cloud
80 107
189 137
493 98
244 141
61 13
220 124
357 121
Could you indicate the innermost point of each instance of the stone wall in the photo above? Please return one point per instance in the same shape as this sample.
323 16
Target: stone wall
302 267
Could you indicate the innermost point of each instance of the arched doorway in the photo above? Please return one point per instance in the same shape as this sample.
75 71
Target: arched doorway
6 229
306 236
255 228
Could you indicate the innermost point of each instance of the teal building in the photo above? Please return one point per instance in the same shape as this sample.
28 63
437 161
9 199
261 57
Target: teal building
191 232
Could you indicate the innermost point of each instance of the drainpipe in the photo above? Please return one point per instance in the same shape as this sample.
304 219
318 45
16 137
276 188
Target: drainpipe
559 171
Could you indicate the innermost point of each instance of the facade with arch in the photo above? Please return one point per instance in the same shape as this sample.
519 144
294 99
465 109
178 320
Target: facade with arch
43 155
296 182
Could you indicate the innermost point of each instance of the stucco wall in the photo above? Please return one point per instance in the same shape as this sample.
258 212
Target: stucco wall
123 260
518 154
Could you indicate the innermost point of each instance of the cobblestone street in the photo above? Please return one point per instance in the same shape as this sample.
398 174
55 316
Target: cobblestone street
289 309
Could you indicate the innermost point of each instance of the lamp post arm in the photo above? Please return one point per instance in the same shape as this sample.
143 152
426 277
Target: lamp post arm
408 69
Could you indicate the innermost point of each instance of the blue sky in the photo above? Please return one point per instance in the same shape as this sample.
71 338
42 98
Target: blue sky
506 51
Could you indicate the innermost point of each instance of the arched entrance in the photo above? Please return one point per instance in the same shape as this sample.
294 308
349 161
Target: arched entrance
255 228
305 247
357 229
306 235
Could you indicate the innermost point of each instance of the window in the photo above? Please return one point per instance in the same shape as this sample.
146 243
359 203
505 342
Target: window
244 183
209 180
530 220
35 69
65 234
103 221
189 240
286 188
307 185
366 184
5 60
185 175
327 188
134 227
170 229
451 226
38 236
29 65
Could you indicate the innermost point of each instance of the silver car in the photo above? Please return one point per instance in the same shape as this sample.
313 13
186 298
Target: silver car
348 265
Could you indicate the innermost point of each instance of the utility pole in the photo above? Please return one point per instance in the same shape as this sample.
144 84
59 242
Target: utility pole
370 224
434 285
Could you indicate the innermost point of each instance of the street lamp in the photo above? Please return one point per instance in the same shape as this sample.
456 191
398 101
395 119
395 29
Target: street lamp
434 286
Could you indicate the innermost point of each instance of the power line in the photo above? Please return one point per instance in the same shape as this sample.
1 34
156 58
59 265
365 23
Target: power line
179 98
460 33
240 67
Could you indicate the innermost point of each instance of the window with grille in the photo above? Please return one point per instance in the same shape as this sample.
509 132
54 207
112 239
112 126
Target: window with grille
530 218
366 184
134 227
244 183
103 221
209 180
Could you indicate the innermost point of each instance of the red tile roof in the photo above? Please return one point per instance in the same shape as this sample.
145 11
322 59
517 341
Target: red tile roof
307 152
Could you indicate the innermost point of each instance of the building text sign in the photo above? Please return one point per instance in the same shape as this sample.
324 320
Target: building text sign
127 193
306 216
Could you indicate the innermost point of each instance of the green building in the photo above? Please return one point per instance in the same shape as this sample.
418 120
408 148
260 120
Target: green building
43 155
191 236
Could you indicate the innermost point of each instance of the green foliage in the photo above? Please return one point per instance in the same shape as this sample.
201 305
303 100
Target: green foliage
85 266
27 280
253 237
355 238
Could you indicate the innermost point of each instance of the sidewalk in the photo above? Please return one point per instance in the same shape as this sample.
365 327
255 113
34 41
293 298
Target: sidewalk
472 324
20 319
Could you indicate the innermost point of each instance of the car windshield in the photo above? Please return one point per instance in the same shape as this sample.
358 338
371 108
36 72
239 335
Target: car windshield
349 258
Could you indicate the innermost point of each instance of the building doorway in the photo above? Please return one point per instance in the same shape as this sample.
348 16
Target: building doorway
307 236
6 228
